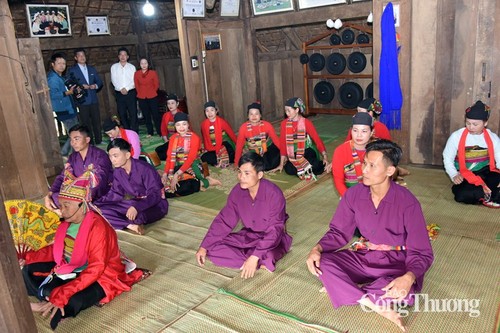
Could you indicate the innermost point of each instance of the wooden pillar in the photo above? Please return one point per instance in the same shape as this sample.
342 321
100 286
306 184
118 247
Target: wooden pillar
16 315
190 45
21 173
40 122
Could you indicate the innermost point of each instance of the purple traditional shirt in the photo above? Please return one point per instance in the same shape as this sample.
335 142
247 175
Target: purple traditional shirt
142 187
263 219
102 167
398 220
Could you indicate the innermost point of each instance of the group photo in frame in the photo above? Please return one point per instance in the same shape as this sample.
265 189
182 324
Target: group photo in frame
271 6
212 42
48 20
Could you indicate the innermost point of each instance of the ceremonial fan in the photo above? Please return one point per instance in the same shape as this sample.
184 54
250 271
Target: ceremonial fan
32 225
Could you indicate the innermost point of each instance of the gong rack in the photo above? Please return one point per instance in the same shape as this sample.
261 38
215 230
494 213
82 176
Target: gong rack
321 77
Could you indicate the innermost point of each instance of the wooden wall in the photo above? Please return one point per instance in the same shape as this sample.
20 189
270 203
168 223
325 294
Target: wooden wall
444 46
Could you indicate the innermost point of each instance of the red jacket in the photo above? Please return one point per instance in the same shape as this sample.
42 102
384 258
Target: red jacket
146 84
193 151
168 118
104 265
310 130
244 134
223 126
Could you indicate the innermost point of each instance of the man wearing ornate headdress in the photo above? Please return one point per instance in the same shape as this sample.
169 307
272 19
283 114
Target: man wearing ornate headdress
83 266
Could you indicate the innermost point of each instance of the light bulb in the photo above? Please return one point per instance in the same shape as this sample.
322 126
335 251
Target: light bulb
329 23
148 9
369 19
338 24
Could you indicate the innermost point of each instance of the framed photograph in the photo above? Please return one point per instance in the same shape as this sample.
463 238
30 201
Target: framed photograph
193 8
48 20
271 6
303 4
230 8
212 42
97 25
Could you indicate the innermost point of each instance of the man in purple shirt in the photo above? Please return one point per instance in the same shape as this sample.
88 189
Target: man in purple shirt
261 207
136 197
84 155
390 261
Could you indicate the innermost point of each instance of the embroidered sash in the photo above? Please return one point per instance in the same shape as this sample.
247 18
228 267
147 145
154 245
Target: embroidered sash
468 174
363 244
257 143
79 255
296 157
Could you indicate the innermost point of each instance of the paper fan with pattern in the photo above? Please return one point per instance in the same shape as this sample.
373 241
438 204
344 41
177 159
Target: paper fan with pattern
33 226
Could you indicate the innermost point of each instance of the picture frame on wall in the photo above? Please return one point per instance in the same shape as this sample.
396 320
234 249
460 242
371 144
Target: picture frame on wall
303 4
230 8
212 42
97 25
48 20
193 8
271 6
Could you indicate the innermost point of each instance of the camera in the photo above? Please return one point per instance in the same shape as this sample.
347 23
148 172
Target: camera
79 93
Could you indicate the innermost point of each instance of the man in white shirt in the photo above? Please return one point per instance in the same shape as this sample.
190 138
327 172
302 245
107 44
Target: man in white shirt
122 77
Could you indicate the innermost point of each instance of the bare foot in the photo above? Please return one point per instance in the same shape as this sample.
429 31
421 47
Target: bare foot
386 312
393 316
37 307
264 267
137 228
213 181
322 290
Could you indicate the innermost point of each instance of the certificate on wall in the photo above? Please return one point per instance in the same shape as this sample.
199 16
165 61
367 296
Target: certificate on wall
193 8
230 8
97 25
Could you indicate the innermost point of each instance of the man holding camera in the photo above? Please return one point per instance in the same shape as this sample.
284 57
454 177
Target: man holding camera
89 79
60 96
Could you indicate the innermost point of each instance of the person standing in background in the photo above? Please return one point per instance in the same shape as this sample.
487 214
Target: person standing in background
122 77
60 97
88 77
147 85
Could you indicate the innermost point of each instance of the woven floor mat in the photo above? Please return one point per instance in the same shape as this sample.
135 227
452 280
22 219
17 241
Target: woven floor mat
223 313
177 284
293 290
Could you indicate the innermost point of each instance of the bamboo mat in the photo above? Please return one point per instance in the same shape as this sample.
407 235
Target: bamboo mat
182 297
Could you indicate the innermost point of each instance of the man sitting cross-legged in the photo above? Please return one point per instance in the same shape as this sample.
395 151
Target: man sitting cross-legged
389 262
261 207
83 266
136 197
83 156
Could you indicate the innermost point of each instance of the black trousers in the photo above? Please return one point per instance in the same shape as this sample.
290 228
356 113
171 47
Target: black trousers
471 194
127 109
317 165
149 108
271 157
161 151
78 302
91 117
211 157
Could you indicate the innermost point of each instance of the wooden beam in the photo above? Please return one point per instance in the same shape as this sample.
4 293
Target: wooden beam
161 36
355 10
87 42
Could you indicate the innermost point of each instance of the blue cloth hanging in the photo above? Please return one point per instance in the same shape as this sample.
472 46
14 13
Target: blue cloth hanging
391 95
